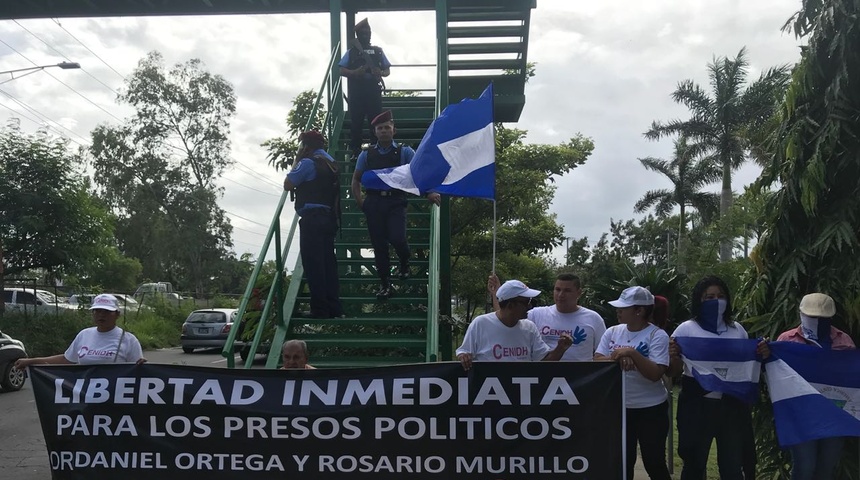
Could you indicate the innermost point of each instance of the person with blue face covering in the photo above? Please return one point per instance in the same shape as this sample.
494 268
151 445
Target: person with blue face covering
705 416
817 459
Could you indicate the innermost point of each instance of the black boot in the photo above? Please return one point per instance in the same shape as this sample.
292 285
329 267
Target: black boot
384 292
404 273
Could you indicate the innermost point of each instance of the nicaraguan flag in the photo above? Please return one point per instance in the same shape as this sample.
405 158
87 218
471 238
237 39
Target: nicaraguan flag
457 155
726 365
815 392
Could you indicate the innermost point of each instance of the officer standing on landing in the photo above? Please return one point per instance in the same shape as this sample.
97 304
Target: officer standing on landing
385 210
314 180
363 65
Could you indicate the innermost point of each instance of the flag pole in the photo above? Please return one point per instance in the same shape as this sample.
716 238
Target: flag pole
494 236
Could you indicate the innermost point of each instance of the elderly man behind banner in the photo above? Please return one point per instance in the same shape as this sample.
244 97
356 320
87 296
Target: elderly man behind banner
506 335
294 355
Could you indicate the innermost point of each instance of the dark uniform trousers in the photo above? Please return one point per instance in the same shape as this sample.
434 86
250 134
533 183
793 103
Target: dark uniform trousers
386 223
365 102
318 227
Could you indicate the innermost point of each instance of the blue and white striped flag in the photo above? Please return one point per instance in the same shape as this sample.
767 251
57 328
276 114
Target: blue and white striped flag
815 392
725 365
457 155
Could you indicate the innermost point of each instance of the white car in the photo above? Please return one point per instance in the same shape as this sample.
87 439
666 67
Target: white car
126 302
28 300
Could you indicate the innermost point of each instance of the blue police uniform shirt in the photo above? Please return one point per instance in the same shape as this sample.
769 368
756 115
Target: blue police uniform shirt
406 154
344 62
305 171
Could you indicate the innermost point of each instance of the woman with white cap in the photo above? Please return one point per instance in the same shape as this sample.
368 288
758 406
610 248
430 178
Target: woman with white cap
642 351
817 459
103 343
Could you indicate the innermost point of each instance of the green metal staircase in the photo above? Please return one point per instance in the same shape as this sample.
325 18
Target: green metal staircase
478 41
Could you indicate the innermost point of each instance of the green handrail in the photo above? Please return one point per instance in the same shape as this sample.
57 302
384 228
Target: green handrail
333 91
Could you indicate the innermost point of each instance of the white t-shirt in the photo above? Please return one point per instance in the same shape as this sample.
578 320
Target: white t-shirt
653 344
92 347
585 326
490 340
691 328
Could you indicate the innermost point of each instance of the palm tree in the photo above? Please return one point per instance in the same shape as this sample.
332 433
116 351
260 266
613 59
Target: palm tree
687 176
724 122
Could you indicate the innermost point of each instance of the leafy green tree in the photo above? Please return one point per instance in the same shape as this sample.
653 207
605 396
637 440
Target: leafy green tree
282 150
811 239
688 177
112 271
157 171
725 122
50 220
524 192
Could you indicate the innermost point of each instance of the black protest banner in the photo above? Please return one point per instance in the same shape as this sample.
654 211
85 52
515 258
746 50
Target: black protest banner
499 421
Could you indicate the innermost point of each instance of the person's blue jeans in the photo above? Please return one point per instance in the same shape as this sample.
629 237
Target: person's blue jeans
816 460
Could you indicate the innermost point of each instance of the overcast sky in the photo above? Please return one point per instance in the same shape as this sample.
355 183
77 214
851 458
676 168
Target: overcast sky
605 69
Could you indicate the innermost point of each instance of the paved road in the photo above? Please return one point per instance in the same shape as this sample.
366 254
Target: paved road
23 455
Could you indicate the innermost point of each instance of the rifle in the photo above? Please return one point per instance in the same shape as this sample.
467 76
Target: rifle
368 62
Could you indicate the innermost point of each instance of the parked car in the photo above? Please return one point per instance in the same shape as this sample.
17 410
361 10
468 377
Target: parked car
84 300
207 328
11 350
148 293
29 300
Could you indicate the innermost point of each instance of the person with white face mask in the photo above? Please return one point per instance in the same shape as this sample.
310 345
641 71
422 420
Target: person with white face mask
705 416
817 459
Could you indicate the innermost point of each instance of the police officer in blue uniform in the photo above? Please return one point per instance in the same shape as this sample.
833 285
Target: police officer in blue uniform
363 65
385 210
315 184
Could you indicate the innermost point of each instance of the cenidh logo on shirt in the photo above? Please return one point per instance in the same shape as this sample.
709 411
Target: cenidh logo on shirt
85 351
509 352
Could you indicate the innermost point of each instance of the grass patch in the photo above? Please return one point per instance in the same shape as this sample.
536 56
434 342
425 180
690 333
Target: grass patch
46 335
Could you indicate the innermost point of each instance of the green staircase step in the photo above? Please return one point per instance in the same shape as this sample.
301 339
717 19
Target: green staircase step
365 321
456 14
395 299
485 48
357 362
366 244
487 31
496 64
319 340
373 280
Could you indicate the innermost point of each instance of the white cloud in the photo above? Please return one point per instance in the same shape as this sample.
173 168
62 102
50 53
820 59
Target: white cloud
605 69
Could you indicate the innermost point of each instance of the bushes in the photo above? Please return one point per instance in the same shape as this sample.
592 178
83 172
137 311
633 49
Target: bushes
46 335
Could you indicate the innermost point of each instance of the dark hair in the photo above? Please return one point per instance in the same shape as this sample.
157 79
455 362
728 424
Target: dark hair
660 317
312 139
699 290
648 309
569 277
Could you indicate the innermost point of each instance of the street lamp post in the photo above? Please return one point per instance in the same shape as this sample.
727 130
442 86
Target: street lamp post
38 68
28 71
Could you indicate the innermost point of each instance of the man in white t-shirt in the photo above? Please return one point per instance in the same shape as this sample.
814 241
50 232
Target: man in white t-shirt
506 335
583 325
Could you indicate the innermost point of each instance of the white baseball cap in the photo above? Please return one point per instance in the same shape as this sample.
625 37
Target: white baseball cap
633 296
513 289
105 301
